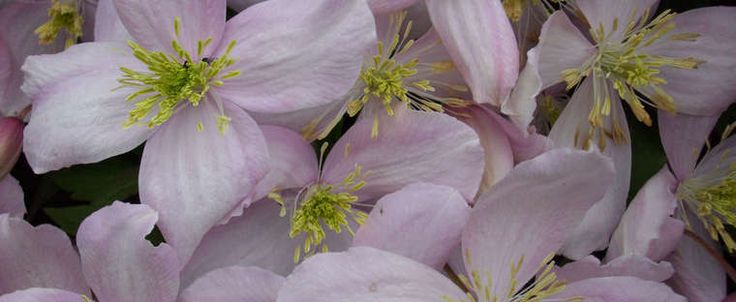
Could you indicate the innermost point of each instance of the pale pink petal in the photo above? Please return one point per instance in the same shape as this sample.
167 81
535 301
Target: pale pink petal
18 20
258 238
697 275
313 123
234 284
499 157
647 228
388 6
195 177
413 146
719 158
421 221
522 104
296 55
683 137
151 23
293 161
40 256
11 197
78 115
531 212
42 295
619 289
479 38
108 26
119 263
705 90
561 46
600 222
616 14
239 5
633 266
364 274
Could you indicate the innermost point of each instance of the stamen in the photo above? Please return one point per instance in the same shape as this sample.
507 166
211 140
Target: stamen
63 16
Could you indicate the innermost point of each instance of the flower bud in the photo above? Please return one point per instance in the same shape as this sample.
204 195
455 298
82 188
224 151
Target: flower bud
11 141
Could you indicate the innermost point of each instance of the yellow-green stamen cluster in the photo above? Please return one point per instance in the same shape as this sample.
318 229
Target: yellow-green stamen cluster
714 202
629 69
322 206
545 285
63 16
172 80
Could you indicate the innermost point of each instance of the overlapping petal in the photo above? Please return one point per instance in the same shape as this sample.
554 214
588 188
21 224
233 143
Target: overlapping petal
108 26
234 284
11 197
683 137
293 161
41 295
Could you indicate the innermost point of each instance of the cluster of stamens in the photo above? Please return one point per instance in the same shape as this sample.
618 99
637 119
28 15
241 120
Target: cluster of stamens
172 81
63 16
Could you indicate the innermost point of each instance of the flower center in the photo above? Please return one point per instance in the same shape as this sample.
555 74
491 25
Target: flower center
173 81
62 16
714 202
629 68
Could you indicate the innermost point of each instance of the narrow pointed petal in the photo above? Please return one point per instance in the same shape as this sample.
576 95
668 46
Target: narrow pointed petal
531 212
108 26
40 256
151 23
421 221
717 158
296 55
293 161
633 266
364 274
412 146
616 14
11 197
569 132
78 115
479 38
119 263
704 90
609 289
647 228
235 284
697 275
683 137
42 295
194 178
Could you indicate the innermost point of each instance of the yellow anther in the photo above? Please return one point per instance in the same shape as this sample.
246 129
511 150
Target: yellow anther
63 16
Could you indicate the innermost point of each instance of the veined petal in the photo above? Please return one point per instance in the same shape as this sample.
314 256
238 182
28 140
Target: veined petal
151 23
119 263
683 137
108 26
421 221
412 146
561 46
296 55
235 284
697 275
479 38
293 161
78 114
11 197
609 289
364 274
530 213
631 265
195 177
618 14
42 295
647 228
40 256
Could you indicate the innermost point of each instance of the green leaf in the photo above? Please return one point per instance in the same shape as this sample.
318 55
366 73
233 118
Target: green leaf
647 154
69 218
100 183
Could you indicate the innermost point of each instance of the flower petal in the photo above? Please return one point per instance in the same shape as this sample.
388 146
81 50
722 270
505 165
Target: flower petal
11 197
647 228
718 158
530 213
616 14
78 114
119 263
609 289
632 265
701 91
195 178
296 55
364 274
388 6
42 295
40 256
235 284
108 26
421 221
479 38
258 238
151 23
293 161
413 146
561 46
683 137
697 275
